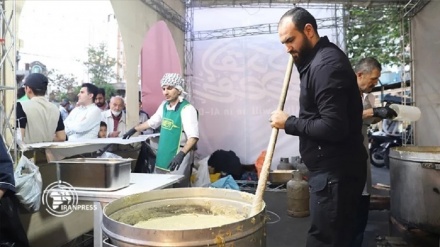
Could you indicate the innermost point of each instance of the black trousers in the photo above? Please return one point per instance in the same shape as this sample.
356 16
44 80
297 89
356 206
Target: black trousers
361 220
12 233
334 201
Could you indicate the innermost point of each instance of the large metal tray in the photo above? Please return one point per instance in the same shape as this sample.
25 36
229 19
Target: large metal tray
102 174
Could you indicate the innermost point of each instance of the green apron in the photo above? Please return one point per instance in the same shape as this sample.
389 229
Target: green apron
170 134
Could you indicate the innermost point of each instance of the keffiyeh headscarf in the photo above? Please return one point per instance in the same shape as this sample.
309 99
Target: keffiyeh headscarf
174 80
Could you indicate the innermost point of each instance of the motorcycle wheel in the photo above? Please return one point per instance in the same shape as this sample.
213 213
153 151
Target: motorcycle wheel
378 157
386 158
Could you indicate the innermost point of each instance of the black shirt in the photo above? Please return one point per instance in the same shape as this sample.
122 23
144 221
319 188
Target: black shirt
330 118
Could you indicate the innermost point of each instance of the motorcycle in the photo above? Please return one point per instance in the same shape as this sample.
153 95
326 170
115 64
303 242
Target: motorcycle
380 145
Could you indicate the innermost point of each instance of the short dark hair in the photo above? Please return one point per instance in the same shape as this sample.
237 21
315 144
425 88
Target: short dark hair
21 92
38 91
102 124
300 17
367 65
101 91
91 89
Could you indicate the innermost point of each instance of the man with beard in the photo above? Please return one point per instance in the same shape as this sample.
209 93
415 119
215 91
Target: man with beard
329 129
368 71
179 130
100 100
115 117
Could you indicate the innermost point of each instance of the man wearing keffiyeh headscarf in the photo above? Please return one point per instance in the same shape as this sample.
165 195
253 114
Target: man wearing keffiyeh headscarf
179 130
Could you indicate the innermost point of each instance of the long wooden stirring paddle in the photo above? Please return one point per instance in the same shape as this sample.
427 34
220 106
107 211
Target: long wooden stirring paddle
262 181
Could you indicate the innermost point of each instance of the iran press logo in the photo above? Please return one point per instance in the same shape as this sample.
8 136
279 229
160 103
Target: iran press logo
60 199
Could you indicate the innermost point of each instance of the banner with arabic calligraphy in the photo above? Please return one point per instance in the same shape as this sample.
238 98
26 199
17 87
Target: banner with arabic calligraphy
237 84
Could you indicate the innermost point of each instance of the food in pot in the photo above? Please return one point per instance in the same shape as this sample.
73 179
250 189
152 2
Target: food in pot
187 221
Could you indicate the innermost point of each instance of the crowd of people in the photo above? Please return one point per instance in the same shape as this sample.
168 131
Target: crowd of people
335 109
93 117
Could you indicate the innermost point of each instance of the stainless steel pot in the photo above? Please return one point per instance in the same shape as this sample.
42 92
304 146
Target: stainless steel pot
415 187
120 215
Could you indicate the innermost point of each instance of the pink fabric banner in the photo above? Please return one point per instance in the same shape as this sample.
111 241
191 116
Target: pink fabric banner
158 56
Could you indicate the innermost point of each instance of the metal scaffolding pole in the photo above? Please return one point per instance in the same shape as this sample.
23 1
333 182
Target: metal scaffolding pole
268 28
406 58
189 47
8 67
167 13
412 7
291 3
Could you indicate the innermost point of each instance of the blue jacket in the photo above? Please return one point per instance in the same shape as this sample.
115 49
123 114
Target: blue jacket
6 169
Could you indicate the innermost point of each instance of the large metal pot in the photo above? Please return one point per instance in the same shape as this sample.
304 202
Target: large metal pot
120 215
415 187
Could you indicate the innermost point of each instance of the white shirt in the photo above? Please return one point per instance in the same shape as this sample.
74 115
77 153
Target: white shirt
190 123
106 116
83 122
368 102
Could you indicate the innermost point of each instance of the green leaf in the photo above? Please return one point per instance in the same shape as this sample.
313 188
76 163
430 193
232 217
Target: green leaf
376 32
100 65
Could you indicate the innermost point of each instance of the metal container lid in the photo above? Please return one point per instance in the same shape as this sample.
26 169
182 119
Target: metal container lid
109 161
416 153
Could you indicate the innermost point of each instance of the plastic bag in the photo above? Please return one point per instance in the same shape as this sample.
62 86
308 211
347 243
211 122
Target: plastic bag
201 175
227 182
29 184
109 155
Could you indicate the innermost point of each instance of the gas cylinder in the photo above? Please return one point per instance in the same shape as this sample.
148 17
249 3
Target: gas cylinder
298 196
284 164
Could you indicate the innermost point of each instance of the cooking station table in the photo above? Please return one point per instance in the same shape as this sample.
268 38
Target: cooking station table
139 182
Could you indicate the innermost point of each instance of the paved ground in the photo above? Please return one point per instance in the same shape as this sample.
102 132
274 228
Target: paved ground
285 231
291 232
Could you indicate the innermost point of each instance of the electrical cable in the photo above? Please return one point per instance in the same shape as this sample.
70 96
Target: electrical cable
278 218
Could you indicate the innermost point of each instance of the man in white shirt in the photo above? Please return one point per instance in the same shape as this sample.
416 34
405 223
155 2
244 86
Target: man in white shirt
115 117
179 131
83 122
368 71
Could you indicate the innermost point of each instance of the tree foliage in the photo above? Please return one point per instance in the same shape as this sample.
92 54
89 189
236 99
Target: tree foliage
100 65
110 91
63 85
377 32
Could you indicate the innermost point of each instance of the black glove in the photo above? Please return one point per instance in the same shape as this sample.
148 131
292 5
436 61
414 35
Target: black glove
129 133
177 160
384 112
